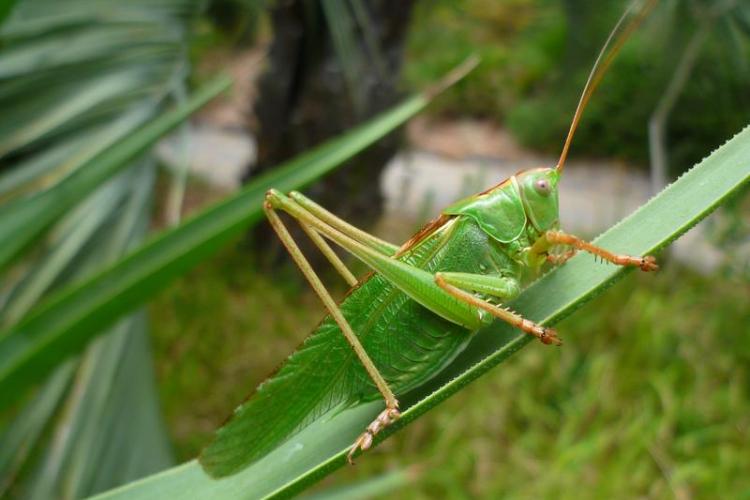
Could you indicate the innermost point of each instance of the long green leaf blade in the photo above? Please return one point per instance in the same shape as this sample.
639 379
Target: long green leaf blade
374 487
6 6
76 78
20 436
25 219
321 448
63 326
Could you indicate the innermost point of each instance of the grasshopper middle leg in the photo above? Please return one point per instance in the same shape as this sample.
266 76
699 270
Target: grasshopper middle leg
457 284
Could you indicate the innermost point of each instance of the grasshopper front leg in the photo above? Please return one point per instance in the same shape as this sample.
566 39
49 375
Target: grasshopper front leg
550 238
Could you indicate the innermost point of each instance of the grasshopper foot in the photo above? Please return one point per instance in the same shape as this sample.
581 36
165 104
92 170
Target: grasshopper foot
648 263
549 336
364 441
545 334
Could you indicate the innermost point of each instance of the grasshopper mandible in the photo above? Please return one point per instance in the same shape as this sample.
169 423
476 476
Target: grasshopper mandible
403 323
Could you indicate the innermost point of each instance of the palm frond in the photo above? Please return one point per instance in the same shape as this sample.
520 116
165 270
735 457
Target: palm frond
78 79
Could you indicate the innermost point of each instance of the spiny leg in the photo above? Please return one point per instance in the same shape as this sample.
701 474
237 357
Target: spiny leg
646 263
391 412
456 285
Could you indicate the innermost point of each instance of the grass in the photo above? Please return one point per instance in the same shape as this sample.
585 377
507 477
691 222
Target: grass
647 397
518 42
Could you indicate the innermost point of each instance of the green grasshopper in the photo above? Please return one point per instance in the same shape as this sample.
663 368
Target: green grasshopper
402 324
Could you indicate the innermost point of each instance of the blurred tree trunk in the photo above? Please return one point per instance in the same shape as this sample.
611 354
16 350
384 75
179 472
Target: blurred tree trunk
305 98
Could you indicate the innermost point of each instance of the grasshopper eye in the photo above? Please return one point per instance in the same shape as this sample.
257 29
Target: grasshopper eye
543 187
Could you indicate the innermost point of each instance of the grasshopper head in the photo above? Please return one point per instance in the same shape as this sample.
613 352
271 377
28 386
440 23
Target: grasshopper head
539 195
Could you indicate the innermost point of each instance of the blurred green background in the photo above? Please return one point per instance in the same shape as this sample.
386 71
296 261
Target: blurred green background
649 397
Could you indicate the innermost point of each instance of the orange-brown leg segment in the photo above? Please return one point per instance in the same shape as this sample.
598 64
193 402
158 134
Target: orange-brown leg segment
543 333
647 263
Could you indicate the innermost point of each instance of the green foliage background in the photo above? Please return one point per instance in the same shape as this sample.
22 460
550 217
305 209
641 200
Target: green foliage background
532 73
632 390
629 405
654 373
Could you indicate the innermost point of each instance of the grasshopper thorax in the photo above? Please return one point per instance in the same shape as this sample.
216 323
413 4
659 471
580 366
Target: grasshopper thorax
504 211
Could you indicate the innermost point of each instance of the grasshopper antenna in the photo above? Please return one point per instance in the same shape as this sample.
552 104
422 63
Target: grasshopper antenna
617 38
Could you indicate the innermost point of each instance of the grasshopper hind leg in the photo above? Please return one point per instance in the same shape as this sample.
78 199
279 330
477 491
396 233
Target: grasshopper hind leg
391 412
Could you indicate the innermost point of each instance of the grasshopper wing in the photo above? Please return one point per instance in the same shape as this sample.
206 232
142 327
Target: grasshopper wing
407 343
